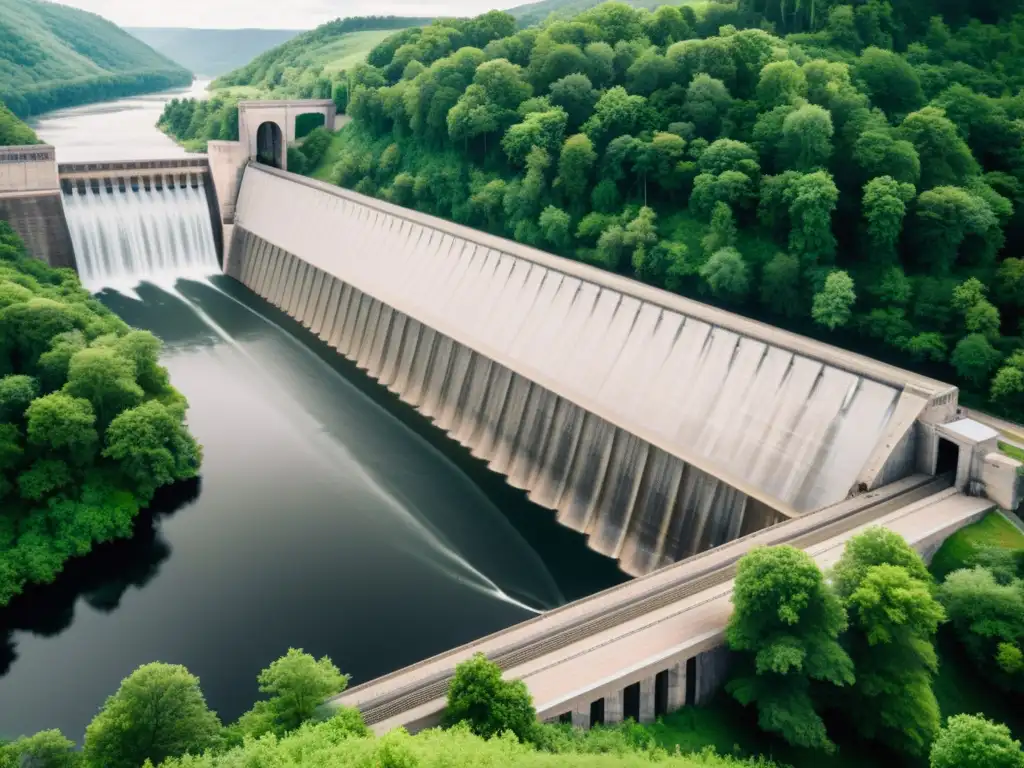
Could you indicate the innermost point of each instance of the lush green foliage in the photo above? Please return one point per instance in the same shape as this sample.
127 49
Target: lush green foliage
14 132
211 52
89 424
297 684
870 160
193 122
312 64
54 56
490 705
893 615
786 623
158 712
973 742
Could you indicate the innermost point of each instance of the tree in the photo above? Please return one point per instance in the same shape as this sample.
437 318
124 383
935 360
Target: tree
885 206
666 26
297 685
707 103
479 697
886 589
974 359
503 82
1008 387
575 165
544 130
726 274
786 622
812 199
833 303
157 713
105 379
46 749
63 425
1009 283
723 230
891 82
555 227
984 614
807 138
780 285
781 83
881 153
945 157
971 741
576 95
153 447
616 113
16 394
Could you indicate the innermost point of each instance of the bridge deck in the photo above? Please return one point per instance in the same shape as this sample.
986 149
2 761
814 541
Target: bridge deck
415 695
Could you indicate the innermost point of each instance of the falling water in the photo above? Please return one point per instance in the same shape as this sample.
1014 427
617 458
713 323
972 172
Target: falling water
154 235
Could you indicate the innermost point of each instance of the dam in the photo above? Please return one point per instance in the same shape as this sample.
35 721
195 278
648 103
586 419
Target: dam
657 431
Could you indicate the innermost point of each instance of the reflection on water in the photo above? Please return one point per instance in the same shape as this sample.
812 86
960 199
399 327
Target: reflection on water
324 522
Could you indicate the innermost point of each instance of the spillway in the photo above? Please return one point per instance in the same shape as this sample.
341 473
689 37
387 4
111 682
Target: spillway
122 237
657 426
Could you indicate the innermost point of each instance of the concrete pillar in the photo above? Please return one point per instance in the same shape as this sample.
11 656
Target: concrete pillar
613 703
712 670
581 716
677 687
647 700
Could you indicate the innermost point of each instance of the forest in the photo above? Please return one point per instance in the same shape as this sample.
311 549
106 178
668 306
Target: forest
53 56
850 171
90 426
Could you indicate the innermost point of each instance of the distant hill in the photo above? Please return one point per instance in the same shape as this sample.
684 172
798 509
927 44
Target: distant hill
316 54
534 13
53 56
212 52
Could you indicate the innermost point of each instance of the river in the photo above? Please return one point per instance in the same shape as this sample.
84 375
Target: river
329 516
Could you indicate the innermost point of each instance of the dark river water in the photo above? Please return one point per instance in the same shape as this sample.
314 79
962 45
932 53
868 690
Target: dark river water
328 517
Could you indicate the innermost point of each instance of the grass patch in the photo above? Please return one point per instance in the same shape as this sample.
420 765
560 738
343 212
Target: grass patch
331 157
350 50
993 530
1012 451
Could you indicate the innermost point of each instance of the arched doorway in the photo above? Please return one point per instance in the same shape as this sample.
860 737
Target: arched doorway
270 145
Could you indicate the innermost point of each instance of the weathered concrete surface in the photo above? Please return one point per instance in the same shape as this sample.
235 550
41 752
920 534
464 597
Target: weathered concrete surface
30 201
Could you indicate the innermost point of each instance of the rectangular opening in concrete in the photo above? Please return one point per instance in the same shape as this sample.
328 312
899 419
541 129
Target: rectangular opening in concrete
631 702
565 718
949 457
597 712
691 682
661 693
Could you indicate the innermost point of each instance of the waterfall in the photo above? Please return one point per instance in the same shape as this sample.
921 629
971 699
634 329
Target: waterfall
125 238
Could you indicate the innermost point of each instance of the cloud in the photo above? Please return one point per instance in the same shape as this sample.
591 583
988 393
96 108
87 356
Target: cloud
268 14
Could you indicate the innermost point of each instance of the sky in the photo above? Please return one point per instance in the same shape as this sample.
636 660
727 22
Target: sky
270 14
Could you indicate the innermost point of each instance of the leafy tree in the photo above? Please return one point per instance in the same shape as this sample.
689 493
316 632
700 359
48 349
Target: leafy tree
542 130
945 157
575 166
16 394
787 623
893 615
881 153
946 218
157 713
781 83
490 705
971 741
707 103
833 303
780 285
885 206
723 230
807 138
576 95
726 274
616 113
46 749
975 358
555 226
106 380
297 684
63 425
891 82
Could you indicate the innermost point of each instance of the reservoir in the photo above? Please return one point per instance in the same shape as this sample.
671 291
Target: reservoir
328 517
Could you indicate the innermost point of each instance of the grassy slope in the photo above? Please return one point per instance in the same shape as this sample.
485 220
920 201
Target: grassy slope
993 531
212 52
43 42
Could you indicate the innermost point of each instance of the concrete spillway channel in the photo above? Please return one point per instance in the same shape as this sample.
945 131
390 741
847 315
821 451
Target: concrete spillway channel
557 630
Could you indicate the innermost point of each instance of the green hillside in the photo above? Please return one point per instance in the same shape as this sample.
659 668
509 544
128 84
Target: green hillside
534 13
212 52
53 56
14 132
303 66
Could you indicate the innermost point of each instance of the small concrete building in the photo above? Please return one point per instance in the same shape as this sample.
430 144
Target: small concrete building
971 449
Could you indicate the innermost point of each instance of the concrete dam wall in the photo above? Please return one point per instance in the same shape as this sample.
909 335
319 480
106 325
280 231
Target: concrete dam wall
30 201
657 426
